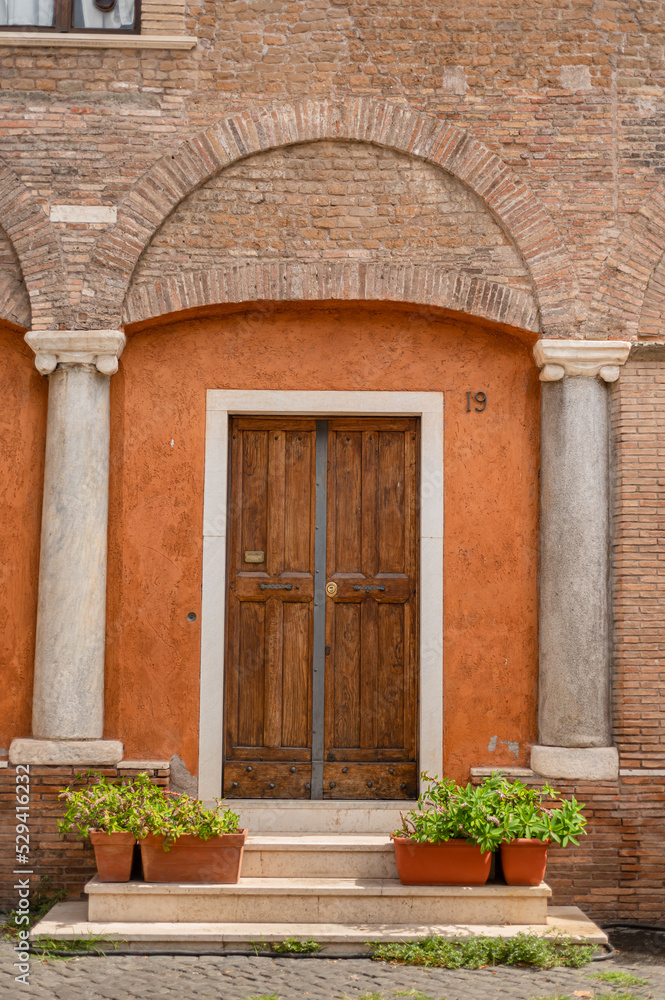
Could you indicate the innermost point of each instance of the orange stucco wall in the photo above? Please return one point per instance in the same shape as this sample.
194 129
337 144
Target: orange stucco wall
23 395
491 498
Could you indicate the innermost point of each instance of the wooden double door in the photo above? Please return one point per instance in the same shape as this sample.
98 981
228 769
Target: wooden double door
321 689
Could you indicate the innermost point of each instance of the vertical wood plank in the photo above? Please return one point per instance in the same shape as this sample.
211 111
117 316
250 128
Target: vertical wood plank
390 509
298 496
369 674
297 677
369 498
348 502
254 503
390 676
251 688
345 687
272 727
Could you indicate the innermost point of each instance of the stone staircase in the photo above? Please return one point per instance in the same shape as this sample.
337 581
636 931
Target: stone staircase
339 888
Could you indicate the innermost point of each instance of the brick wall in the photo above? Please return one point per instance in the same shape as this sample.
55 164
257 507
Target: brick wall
567 94
334 200
638 405
69 862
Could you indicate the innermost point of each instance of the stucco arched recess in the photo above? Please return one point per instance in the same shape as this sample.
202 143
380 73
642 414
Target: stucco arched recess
29 231
370 120
616 308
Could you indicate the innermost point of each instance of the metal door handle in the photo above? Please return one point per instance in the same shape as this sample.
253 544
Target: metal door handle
276 586
379 586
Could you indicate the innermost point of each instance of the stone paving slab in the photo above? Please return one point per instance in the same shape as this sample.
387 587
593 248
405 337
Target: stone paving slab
239 978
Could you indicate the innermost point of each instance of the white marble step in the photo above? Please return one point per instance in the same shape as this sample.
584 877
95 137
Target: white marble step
270 816
309 855
69 921
317 901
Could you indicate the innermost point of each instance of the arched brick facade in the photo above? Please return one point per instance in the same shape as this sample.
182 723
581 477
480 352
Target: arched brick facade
31 235
370 120
349 280
617 307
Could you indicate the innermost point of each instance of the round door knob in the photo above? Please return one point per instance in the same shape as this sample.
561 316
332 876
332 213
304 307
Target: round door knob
331 588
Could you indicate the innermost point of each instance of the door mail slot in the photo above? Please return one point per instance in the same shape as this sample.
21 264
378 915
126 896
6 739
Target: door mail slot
254 557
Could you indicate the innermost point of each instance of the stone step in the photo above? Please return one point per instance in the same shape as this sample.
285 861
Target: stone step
69 921
316 901
269 816
309 855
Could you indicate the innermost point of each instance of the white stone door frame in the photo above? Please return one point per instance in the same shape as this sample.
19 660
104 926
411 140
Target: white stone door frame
220 405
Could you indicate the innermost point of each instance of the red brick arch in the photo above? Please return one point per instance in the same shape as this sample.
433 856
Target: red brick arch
617 304
30 232
168 182
348 280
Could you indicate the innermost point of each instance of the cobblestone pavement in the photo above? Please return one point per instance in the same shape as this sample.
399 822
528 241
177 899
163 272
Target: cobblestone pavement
241 978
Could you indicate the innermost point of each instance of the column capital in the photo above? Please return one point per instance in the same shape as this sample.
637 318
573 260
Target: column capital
101 348
557 358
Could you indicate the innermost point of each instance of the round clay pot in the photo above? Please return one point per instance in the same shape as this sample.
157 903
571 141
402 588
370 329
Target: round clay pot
524 861
190 859
113 854
452 863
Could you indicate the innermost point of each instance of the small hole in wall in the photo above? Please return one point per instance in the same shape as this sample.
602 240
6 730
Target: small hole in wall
191 617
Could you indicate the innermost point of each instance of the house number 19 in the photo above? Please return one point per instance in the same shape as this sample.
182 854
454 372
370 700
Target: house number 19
480 398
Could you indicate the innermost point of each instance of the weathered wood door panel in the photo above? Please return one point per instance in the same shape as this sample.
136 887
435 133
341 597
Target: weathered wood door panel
369 745
371 620
270 606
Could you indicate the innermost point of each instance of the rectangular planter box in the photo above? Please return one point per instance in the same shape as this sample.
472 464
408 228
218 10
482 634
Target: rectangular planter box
190 859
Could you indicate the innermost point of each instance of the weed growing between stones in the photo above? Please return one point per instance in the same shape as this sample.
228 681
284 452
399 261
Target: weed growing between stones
618 978
45 897
473 953
290 946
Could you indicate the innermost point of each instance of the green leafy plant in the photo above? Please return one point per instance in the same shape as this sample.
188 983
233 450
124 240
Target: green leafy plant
538 813
448 811
140 807
290 946
475 952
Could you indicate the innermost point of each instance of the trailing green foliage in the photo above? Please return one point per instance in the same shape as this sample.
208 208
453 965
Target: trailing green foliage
492 812
41 901
472 953
138 806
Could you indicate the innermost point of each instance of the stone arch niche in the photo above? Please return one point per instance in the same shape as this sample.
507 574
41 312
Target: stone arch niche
334 219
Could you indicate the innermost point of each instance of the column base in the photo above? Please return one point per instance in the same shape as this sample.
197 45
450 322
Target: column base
584 763
94 752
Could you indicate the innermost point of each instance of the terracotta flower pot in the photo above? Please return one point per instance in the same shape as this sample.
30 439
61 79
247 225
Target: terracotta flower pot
190 859
113 854
452 863
524 861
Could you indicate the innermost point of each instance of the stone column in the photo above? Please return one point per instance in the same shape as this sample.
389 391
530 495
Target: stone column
575 731
68 694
